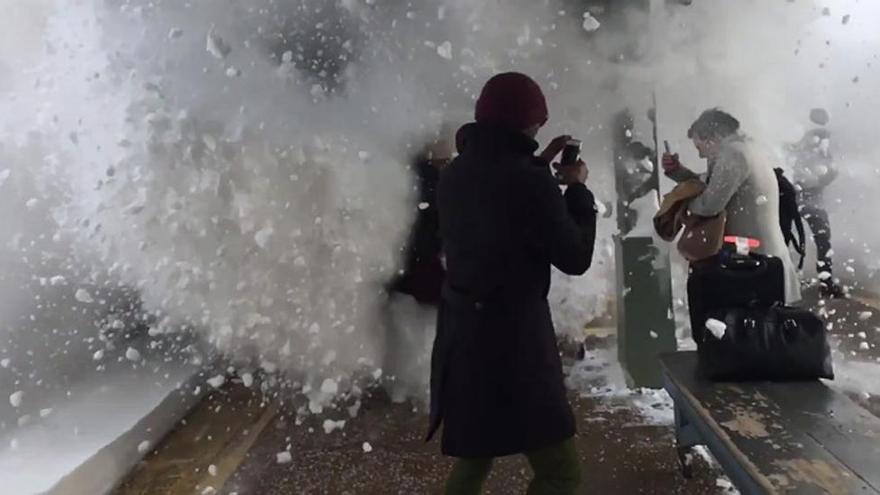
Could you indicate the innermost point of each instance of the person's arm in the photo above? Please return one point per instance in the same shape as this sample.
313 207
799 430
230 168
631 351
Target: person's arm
830 174
728 174
682 174
568 225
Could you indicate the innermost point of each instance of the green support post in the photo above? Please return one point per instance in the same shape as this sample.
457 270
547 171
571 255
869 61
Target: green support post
645 321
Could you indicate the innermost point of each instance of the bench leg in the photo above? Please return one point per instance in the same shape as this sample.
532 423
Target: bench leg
686 438
684 461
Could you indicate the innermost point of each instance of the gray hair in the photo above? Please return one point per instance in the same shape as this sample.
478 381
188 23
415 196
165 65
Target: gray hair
713 123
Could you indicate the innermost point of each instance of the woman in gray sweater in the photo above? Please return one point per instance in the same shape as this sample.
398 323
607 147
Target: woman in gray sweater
740 181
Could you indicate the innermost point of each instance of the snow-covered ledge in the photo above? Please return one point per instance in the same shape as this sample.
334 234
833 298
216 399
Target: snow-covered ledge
103 429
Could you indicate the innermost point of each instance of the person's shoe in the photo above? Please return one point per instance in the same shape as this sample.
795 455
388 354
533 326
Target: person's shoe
832 291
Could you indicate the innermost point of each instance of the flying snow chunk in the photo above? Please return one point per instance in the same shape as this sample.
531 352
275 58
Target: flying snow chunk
287 57
98 355
367 447
247 379
283 457
216 46
83 296
209 490
824 275
864 346
653 334
262 236
761 200
132 354
15 398
330 425
5 363
330 387
718 328
865 315
329 358
144 447
45 412
31 203
232 72
445 50
217 381
590 24
212 470
725 485
57 280
424 206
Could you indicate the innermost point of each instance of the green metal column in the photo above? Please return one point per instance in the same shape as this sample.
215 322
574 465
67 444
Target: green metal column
645 322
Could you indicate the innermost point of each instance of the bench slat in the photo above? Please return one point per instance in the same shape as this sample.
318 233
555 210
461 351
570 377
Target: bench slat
846 430
780 449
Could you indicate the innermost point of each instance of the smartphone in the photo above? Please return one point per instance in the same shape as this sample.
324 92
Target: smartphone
666 144
571 153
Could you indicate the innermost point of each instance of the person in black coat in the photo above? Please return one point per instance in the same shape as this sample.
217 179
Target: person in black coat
423 272
414 293
496 376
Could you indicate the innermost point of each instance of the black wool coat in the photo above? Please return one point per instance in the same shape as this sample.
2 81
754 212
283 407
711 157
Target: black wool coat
496 376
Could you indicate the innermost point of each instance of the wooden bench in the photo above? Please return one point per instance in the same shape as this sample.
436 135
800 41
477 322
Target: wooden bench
801 437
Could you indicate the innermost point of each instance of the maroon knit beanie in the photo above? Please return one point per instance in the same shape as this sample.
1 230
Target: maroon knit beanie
513 100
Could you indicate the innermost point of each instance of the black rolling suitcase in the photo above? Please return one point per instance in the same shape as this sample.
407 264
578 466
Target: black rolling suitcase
730 280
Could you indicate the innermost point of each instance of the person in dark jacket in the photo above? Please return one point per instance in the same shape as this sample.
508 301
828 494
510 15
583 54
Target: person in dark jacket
414 294
813 172
496 376
423 272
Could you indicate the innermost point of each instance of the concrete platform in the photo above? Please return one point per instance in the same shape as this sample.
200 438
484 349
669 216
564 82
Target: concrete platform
230 444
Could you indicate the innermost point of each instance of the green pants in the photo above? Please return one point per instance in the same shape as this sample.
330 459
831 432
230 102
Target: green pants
557 472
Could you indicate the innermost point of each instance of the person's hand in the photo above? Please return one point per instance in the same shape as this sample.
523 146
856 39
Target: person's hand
554 148
670 162
572 174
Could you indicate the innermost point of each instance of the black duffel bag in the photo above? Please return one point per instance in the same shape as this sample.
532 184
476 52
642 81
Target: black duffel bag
776 343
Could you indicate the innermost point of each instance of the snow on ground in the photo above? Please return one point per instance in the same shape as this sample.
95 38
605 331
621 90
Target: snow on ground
599 375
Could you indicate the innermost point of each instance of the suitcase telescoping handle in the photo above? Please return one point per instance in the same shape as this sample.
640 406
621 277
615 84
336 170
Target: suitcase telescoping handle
743 245
736 253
